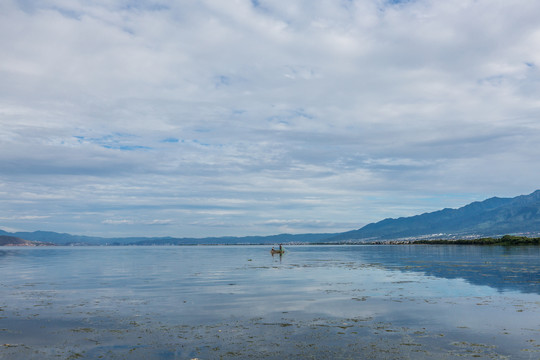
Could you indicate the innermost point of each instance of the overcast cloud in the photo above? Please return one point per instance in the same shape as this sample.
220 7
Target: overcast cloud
210 118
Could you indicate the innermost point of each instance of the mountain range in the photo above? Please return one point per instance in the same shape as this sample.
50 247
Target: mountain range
492 217
68 239
6 240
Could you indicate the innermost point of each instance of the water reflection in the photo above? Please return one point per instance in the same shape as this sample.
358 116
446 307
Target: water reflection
500 267
238 302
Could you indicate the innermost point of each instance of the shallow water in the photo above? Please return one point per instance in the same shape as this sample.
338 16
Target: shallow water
239 302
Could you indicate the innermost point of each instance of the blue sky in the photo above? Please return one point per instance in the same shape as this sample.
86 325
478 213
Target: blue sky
210 118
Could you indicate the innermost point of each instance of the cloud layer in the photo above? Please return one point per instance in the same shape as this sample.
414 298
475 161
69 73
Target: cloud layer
258 117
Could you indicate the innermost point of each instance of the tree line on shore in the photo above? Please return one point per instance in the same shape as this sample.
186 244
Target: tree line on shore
505 240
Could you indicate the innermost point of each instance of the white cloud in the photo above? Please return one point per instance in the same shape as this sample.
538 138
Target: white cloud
221 117
135 222
118 222
24 217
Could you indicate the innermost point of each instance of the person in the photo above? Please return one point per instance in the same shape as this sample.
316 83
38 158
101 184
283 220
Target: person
280 247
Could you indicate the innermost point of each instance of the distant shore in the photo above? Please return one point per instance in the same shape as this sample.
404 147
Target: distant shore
15 241
507 240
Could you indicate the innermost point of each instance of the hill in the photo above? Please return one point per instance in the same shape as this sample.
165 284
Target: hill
247 240
6 240
491 217
68 239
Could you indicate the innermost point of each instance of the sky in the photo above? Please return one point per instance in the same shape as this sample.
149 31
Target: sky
234 118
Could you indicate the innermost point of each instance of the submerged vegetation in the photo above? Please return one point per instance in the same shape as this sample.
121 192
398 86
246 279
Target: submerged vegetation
507 240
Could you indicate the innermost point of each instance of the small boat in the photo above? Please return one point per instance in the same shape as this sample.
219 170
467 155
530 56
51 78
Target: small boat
274 251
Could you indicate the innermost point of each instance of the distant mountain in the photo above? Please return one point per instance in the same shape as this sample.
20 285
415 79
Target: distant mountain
58 238
68 239
6 240
248 240
491 217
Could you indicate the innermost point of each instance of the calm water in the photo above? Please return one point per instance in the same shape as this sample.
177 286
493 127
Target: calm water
239 302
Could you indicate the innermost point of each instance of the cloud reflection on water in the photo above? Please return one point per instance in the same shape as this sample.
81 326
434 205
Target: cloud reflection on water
395 288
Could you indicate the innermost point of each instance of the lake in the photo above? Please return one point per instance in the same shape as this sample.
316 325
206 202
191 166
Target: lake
240 302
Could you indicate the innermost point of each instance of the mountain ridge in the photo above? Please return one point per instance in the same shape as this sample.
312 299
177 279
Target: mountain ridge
6 240
494 216
68 239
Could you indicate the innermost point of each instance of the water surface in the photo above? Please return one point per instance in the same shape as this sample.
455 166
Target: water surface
239 302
